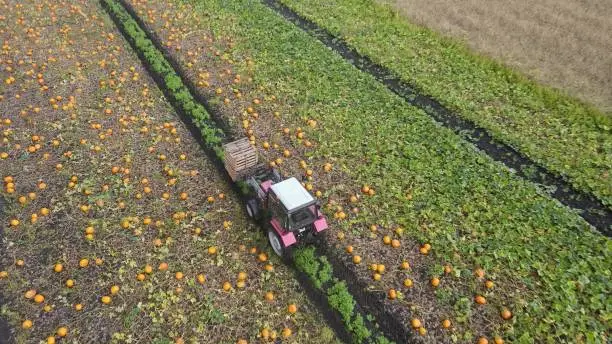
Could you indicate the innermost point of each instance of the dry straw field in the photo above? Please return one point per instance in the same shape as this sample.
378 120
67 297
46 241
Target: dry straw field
565 44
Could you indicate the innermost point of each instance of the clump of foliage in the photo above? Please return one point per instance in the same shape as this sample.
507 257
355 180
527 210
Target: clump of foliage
320 272
213 136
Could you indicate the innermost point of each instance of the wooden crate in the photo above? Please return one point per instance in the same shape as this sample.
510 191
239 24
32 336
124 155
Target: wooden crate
240 157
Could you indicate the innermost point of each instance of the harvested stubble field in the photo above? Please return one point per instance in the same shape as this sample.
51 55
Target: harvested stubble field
564 44
115 226
464 250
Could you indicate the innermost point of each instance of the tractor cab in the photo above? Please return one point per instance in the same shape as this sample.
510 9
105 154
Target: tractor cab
292 205
294 214
288 210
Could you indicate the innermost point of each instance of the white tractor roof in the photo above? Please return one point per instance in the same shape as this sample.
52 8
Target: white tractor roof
292 194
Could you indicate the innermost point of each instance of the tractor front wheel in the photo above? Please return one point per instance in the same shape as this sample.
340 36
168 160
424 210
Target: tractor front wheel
252 209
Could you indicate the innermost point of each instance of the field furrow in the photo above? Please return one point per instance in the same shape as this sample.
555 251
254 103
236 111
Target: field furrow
564 135
591 208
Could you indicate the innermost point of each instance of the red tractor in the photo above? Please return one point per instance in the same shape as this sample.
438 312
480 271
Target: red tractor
288 211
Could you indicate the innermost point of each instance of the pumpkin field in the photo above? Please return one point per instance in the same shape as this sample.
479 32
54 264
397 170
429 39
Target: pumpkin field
119 229
118 225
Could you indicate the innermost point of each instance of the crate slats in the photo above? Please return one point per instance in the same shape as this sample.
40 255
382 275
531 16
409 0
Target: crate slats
240 158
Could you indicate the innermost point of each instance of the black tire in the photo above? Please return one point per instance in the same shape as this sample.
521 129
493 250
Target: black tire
315 238
277 245
252 209
276 177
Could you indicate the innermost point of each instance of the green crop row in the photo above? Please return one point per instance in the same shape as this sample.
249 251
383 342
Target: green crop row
564 135
213 137
320 272
548 264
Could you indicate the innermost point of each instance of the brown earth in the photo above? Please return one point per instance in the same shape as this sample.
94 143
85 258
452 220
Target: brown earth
564 44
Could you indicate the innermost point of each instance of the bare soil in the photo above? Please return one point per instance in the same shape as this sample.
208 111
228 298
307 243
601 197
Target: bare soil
564 44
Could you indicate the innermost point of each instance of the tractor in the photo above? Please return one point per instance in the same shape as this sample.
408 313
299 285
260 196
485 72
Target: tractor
288 212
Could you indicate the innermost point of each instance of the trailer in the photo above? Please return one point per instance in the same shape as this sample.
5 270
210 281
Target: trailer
287 210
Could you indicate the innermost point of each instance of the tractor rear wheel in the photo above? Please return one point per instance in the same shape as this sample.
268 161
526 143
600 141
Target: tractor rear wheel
277 244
